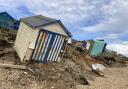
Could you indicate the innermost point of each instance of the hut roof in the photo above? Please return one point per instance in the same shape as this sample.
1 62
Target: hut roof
39 20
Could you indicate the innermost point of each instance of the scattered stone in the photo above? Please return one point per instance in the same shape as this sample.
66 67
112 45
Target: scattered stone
52 87
25 73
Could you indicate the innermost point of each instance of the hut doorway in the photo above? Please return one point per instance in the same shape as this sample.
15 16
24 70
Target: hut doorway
48 46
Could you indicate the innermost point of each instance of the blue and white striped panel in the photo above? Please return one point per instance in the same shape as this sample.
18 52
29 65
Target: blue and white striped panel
51 50
37 45
46 47
59 48
43 47
56 47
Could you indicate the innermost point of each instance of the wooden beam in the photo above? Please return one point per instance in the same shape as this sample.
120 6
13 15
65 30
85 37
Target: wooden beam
13 66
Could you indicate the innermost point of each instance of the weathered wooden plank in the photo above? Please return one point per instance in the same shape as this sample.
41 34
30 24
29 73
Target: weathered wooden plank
13 66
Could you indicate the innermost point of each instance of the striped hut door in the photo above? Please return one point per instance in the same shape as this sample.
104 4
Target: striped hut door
48 46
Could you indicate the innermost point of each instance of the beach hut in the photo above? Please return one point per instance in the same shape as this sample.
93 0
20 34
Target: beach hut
41 38
97 47
8 22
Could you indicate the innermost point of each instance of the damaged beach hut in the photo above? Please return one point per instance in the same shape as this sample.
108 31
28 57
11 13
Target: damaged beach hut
8 22
96 47
41 38
92 47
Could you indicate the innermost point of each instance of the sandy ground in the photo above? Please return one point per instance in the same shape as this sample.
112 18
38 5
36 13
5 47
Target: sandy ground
115 78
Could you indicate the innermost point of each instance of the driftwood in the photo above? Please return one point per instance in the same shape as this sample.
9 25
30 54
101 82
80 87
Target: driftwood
21 67
13 66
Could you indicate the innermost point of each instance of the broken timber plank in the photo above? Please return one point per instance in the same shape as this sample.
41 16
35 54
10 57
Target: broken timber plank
106 61
98 73
13 66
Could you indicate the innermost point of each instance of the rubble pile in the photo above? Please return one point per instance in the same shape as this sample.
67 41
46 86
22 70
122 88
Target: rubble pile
8 35
113 59
7 52
69 72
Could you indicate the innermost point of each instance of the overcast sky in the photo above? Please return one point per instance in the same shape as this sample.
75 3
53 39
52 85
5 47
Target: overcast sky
85 19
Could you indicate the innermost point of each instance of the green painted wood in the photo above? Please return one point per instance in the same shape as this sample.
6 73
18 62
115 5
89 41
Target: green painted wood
97 48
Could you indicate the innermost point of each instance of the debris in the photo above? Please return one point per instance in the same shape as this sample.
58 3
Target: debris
23 82
111 58
52 87
97 47
3 42
68 72
98 68
2 54
69 41
83 80
25 73
13 66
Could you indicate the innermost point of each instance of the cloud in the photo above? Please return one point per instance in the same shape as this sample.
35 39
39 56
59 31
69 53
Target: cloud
121 48
115 19
14 7
111 36
67 10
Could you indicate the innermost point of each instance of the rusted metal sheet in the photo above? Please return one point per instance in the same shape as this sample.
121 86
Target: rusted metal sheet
48 46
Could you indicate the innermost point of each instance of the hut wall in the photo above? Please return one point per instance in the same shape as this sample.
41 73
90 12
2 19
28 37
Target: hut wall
97 48
25 37
57 28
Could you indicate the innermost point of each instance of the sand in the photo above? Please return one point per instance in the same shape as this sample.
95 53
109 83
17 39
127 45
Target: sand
115 78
